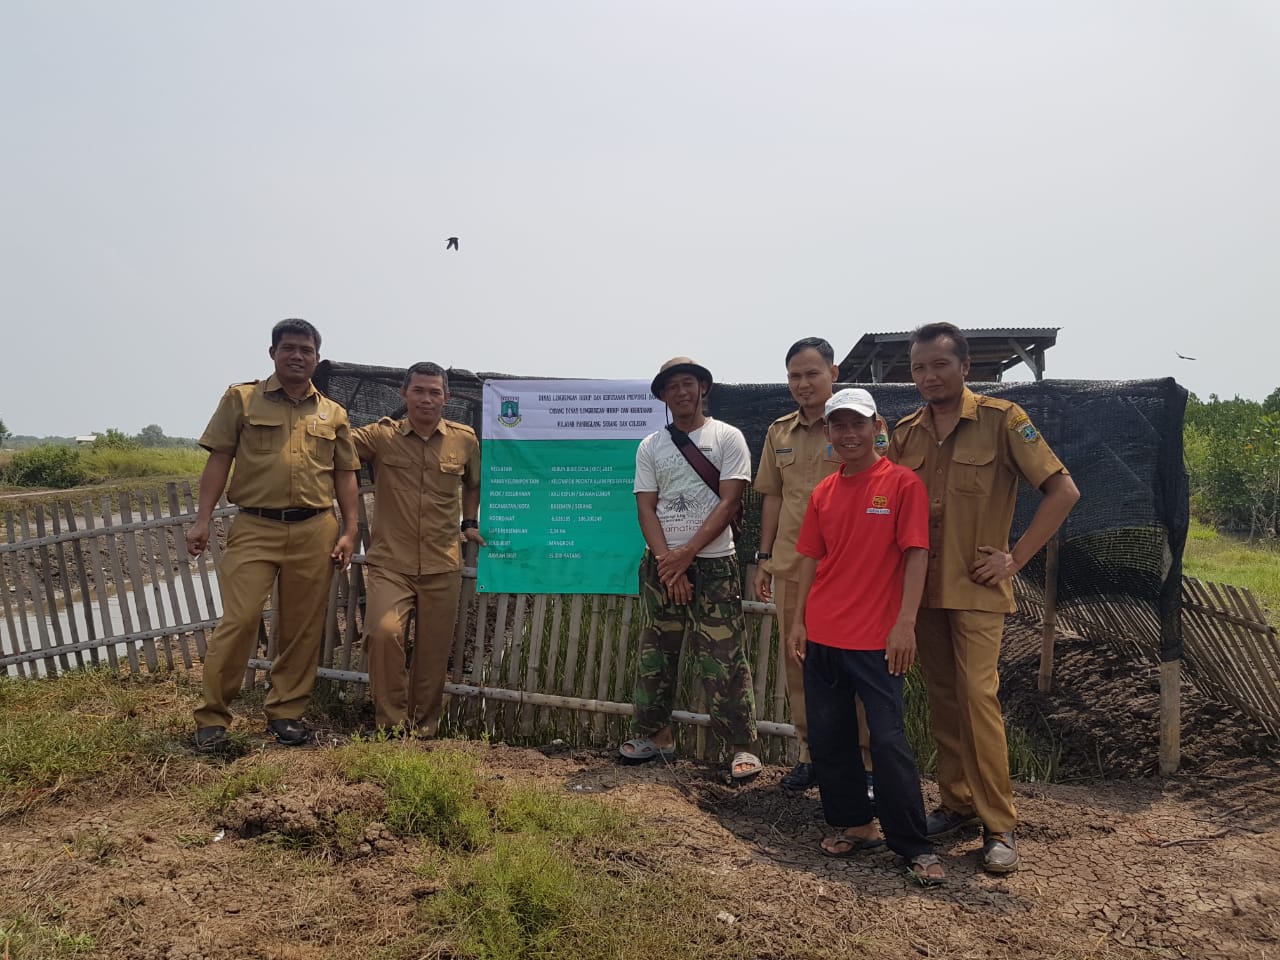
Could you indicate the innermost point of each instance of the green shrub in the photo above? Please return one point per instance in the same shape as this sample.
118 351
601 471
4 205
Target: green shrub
113 439
47 465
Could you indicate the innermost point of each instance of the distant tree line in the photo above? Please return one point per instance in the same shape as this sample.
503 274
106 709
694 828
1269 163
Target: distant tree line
151 435
1232 453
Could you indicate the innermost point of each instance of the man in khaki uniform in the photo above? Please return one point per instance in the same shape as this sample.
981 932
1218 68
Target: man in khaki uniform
291 446
970 451
795 457
414 562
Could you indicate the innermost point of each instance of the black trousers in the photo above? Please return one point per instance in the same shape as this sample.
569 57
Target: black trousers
831 679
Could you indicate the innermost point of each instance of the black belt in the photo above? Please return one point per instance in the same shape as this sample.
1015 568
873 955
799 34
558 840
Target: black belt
288 515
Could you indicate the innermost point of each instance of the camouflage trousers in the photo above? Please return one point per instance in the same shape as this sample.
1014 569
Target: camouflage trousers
716 626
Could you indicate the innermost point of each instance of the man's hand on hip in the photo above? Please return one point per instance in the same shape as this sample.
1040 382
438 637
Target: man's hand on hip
993 566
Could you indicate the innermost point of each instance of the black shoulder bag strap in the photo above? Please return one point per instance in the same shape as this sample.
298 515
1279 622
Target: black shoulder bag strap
705 469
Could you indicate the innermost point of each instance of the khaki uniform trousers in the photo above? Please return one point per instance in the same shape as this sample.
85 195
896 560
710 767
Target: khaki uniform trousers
959 654
258 551
786 594
409 691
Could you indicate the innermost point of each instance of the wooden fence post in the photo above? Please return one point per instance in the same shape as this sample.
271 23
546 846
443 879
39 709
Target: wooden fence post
1170 716
1050 613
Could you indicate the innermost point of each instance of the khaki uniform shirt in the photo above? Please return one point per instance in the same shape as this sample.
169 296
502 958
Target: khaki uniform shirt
796 456
285 450
416 486
972 479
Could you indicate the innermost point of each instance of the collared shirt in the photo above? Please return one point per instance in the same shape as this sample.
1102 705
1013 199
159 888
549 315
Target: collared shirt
972 479
796 457
285 450
416 489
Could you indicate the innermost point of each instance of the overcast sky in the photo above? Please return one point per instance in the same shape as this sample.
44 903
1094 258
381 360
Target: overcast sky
629 181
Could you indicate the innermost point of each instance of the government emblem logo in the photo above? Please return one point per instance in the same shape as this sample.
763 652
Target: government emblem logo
1029 433
879 501
510 411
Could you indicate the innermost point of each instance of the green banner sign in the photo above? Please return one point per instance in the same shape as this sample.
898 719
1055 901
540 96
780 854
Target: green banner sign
557 507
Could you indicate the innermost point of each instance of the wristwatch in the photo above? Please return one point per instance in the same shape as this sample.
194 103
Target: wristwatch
470 525
763 555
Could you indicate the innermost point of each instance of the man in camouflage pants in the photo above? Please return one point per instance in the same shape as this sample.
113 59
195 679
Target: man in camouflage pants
689 574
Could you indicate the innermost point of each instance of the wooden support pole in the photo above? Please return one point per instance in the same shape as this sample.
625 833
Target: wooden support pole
1170 716
1050 613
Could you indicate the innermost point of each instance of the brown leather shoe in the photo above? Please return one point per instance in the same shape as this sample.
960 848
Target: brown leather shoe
999 852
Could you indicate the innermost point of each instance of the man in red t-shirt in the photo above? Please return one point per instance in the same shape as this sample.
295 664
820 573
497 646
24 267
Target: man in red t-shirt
864 549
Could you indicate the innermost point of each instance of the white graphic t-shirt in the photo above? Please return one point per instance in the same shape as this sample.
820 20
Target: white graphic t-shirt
684 501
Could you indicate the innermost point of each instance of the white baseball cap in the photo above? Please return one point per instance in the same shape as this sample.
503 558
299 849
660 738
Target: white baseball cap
853 398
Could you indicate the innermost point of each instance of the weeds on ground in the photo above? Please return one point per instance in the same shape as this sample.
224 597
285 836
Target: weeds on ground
259 778
1033 756
429 794
22 936
526 897
56 733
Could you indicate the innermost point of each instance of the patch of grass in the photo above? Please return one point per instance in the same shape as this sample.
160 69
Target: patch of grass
259 778
513 902
57 733
1221 558
116 463
530 810
534 896
1032 758
431 795
23 936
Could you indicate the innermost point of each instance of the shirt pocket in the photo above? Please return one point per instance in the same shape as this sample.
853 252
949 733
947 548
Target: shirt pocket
973 472
912 459
321 439
785 460
265 432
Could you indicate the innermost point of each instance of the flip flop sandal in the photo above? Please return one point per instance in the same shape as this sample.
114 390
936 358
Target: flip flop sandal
750 760
642 749
918 867
853 845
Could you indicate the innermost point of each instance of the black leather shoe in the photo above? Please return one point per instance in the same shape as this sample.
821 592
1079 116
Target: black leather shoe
942 821
999 852
291 733
210 739
801 777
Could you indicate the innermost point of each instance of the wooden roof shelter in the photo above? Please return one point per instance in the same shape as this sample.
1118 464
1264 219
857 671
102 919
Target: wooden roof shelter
882 357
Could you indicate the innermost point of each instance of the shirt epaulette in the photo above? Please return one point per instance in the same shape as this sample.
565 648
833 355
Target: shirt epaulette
911 417
455 425
793 415
998 403
244 383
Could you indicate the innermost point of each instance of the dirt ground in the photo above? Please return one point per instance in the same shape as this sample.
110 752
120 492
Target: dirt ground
1126 867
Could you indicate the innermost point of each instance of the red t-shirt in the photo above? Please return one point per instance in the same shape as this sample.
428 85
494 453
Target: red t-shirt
858 529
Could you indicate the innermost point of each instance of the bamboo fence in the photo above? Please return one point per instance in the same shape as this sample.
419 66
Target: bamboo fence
83 586
88 585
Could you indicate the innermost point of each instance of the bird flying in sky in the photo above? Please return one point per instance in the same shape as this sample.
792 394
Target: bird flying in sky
452 244
1182 357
